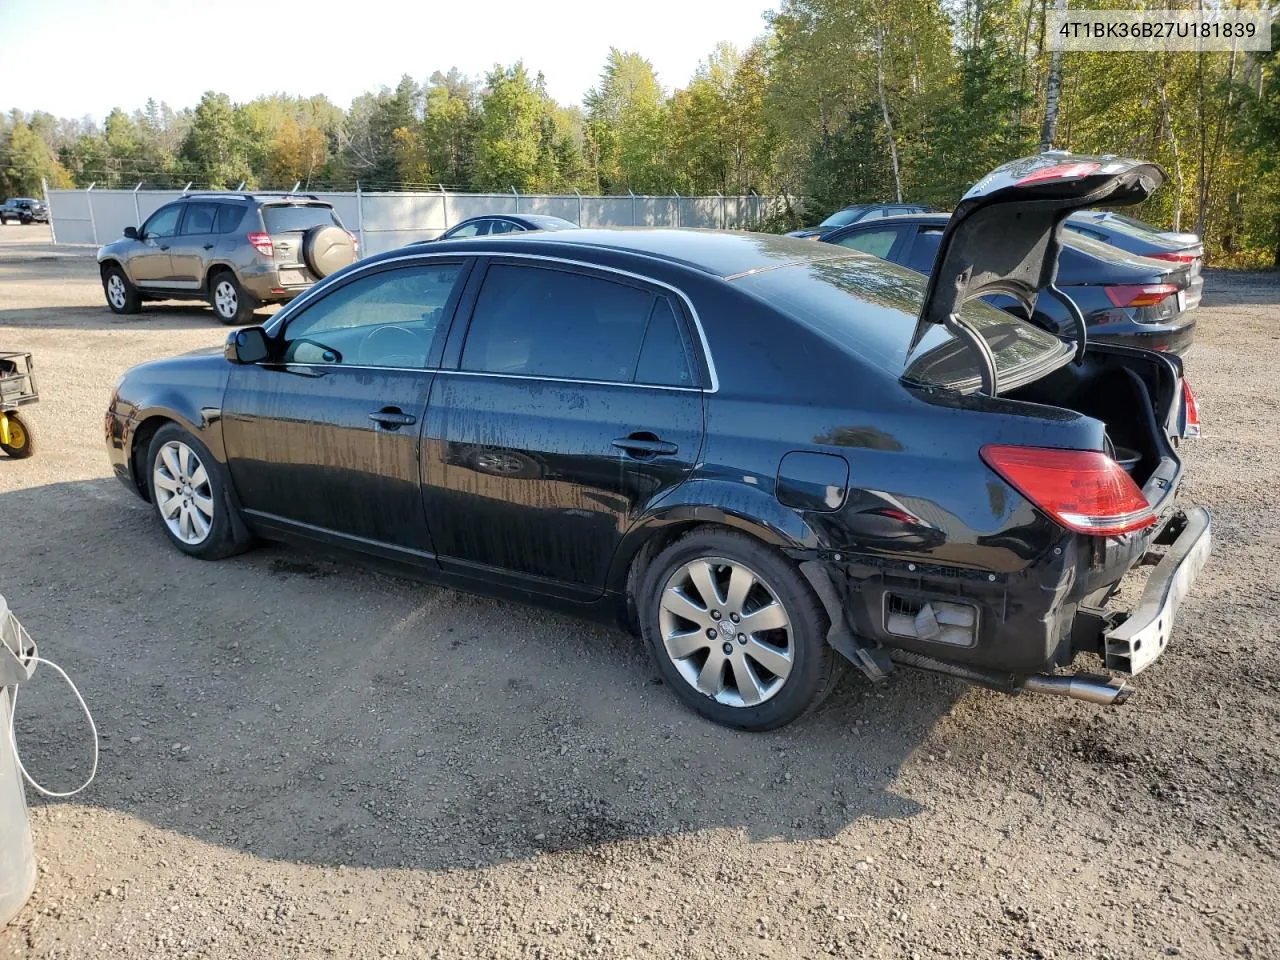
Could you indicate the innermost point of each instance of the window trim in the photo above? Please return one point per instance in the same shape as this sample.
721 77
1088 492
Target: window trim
707 367
435 353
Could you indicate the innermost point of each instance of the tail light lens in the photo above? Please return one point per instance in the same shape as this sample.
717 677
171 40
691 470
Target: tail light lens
1084 490
1176 257
1142 295
1191 428
262 243
1061 171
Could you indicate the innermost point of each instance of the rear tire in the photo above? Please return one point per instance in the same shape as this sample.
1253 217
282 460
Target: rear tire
122 296
753 679
231 302
21 438
191 495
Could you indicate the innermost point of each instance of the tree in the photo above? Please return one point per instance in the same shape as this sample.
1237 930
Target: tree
216 149
510 131
26 159
296 154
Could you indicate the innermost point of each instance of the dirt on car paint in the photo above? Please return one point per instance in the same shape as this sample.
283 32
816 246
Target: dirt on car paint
301 757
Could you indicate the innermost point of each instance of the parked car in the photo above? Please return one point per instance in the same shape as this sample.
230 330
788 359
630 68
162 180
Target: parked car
1125 298
859 213
24 210
1145 240
495 224
235 250
763 454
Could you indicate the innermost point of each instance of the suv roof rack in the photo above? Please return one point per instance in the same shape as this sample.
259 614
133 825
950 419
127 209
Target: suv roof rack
242 195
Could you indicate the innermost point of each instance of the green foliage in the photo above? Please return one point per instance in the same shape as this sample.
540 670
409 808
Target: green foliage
510 136
26 159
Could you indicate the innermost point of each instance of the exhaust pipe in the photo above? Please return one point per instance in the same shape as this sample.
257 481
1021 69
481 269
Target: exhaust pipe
1095 688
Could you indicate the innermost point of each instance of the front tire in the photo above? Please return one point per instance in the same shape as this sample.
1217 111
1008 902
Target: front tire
233 305
190 492
122 296
735 630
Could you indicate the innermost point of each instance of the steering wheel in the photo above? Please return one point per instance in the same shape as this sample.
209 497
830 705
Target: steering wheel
392 346
328 354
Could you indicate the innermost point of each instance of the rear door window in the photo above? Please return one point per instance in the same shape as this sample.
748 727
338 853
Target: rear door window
229 217
544 322
289 218
924 249
664 355
199 219
503 226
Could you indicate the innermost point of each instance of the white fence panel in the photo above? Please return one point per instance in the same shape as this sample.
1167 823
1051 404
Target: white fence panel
384 221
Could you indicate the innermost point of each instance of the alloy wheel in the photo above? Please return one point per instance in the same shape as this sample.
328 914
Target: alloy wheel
726 631
225 300
116 292
183 494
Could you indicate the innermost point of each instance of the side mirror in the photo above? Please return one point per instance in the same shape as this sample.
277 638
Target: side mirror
249 345
131 233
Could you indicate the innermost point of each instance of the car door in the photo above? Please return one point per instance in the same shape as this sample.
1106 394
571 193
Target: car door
149 261
323 438
575 404
194 242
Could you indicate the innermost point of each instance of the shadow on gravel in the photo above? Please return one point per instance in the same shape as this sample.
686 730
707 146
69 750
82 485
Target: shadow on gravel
307 710
170 315
1229 288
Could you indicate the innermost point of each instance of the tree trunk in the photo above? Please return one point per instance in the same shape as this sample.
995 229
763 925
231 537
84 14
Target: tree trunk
1173 146
884 109
1053 91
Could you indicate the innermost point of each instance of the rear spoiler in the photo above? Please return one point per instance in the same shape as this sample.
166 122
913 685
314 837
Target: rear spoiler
1006 233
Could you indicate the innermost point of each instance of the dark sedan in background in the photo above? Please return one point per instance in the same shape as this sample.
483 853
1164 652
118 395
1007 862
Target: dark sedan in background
761 453
1125 298
859 213
1146 240
492 225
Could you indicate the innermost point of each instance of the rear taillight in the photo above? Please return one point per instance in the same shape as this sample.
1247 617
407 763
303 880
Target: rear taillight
1141 295
262 243
1084 490
1180 257
1191 412
1061 171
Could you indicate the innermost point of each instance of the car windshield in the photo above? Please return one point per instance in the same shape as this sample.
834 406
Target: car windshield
283 218
843 217
868 307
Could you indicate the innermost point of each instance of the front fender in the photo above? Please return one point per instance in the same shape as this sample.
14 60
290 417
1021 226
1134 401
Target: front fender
734 505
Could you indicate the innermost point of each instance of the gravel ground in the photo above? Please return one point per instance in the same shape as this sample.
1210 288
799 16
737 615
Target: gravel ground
302 758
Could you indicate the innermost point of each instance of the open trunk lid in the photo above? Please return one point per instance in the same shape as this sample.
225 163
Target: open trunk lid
1005 236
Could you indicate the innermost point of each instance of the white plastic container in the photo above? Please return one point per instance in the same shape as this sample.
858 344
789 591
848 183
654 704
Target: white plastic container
17 851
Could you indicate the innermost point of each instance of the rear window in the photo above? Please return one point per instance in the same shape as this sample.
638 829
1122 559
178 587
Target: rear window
229 216
868 308
279 218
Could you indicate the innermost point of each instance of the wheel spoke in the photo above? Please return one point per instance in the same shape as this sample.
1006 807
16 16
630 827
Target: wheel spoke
704 582
184 522
741 580
165 482
771 617
677 603
198 476
170 458
711 678
748 683
682 645
170 507
203 504
184 459
777 662
198 523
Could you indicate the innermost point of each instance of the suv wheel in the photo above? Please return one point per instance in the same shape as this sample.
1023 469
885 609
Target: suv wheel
230 301
122 296
736 631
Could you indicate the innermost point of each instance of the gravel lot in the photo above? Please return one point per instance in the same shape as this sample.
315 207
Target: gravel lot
302 758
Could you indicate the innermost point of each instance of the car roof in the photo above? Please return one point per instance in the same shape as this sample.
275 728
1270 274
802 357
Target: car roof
724 254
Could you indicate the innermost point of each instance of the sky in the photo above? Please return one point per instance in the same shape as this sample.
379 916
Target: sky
83 57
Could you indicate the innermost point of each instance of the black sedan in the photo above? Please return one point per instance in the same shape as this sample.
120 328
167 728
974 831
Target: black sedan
859 213
1145 240
494 224
1125 298
767 456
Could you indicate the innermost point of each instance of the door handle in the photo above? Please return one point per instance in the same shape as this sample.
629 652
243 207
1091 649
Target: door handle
164 246
392 419
208 246
644 445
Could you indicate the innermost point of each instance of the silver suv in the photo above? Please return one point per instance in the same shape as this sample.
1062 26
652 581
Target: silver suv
235 250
